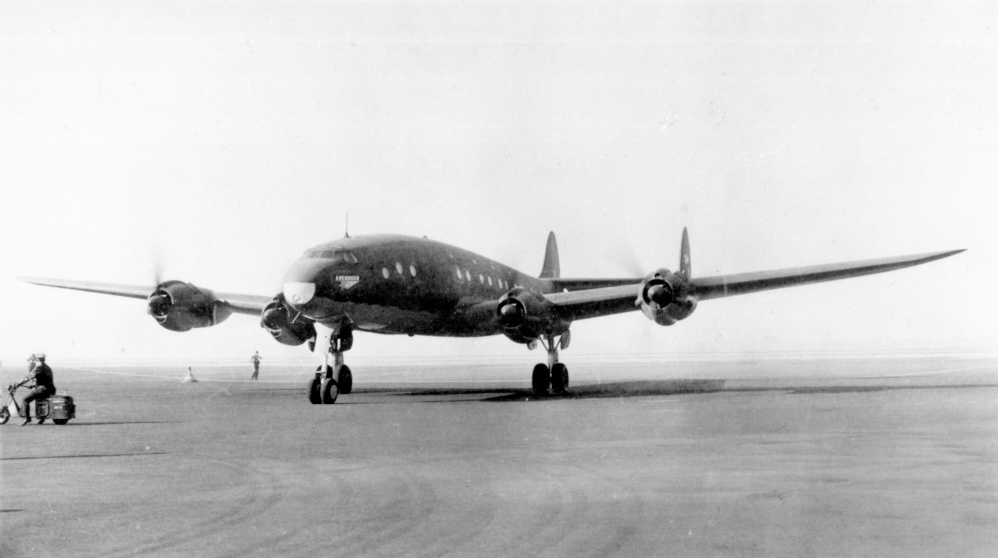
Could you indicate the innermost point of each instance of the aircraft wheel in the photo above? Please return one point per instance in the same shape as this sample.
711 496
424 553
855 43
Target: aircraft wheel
559 378
4 415
346 380
312 389
329 391
541 378
60 421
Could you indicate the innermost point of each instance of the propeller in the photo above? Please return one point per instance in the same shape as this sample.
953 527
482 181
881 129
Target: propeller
626 259
159 301
157 265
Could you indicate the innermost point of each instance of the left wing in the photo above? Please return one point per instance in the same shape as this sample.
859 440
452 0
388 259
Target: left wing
591 303
238 303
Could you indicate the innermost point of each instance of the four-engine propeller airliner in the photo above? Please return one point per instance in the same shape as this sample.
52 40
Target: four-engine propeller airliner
405 285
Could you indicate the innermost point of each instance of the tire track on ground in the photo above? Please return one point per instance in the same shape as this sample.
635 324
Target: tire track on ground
260 493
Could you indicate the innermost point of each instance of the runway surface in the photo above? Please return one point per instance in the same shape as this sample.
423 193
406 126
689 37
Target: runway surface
854 457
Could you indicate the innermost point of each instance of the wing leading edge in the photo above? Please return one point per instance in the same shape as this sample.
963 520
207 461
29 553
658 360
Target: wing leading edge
591 303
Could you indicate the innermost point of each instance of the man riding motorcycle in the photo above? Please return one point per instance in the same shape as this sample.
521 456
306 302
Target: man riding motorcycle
42 388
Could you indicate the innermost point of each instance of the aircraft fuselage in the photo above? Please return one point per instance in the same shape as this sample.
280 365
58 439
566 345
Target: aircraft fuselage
397 284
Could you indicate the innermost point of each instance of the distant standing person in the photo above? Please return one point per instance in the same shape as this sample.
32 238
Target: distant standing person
43 387
255 359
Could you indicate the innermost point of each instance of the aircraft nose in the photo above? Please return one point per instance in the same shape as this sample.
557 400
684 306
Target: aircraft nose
301 283
299 294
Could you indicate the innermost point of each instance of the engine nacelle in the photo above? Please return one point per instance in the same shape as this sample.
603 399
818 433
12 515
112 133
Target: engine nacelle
525 316
276 319
665 298
180 306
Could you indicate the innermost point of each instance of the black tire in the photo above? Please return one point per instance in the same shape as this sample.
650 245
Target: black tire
346 380
60 421
330 391
559 378
4 415
312 389
541 378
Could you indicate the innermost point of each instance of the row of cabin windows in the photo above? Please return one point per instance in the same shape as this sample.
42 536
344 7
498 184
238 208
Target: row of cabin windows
398 269
462 276
466 276
341 256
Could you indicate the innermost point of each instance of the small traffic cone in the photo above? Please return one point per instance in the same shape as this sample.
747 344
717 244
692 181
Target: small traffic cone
190 379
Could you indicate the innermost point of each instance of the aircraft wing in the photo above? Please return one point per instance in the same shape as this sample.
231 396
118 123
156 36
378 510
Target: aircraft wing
238 303
591 303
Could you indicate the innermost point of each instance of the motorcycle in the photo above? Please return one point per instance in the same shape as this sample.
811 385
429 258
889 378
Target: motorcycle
59 408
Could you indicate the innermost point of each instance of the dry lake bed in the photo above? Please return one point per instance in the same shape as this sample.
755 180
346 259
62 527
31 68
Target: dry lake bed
785 457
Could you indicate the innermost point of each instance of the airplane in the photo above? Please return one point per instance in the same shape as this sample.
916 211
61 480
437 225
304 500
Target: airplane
394 284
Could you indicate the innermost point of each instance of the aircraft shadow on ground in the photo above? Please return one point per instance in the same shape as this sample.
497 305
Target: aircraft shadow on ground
119 423
84 456
641 388
646 388
865 389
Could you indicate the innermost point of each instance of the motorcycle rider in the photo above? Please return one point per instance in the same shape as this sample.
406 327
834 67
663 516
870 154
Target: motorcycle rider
43 387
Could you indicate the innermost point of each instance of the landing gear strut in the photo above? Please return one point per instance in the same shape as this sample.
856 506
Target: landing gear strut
330 381
554 373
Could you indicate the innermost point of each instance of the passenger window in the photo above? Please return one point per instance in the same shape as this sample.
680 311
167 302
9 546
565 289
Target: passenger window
385 272
398 268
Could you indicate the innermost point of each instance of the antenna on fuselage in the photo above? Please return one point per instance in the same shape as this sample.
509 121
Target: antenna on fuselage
346 232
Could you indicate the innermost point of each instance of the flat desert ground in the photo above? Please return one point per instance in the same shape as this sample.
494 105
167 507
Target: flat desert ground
782 457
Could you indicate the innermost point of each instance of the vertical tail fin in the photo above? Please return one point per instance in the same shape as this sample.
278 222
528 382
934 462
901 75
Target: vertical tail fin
551 269
685 269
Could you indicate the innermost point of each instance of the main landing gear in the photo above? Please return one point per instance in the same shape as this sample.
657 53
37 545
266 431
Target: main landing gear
330 381
554 373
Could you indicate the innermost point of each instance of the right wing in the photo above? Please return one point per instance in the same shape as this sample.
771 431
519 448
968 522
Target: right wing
706 288
604 301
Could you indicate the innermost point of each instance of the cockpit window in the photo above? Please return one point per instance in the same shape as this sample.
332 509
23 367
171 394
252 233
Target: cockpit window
335 255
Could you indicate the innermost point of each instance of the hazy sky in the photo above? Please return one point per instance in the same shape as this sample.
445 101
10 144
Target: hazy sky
225 138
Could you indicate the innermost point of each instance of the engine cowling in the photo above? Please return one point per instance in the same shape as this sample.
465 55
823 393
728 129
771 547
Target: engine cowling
525 316
276 318
665 298
180 306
